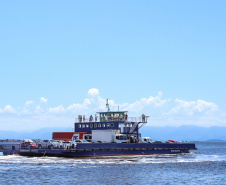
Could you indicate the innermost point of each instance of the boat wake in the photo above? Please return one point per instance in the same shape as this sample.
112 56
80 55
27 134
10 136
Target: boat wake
161 158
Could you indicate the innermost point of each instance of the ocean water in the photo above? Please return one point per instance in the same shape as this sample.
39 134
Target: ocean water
207 165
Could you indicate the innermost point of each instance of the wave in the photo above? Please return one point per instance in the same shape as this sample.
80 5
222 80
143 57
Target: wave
162 158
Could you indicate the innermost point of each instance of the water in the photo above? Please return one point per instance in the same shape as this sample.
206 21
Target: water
207 165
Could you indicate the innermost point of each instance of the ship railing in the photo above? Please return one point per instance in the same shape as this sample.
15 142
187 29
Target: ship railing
142 119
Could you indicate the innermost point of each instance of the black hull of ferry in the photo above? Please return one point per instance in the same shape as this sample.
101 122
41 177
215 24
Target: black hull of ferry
111 149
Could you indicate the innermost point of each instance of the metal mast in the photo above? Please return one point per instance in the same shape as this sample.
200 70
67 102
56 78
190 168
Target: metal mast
107 105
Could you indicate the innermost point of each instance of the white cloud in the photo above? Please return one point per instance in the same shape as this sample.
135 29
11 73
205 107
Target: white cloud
203 106
38 108
146 104
93 92
87 101
8 109
42 99
162 111
192 107
76 106
29 102
58 109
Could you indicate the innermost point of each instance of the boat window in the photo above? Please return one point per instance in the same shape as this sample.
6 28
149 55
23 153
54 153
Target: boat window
79 126
99 125
103 125
95 125
117 137
83 125
108 124
87 125
123 138
112 124
91 125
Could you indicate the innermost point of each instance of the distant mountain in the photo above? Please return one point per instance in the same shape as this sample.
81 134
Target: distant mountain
182 133
44 133
215 140
185 133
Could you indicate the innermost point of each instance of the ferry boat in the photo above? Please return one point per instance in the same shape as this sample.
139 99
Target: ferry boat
112 133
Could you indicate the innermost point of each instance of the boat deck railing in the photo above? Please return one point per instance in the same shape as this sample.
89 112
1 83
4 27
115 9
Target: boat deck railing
142 119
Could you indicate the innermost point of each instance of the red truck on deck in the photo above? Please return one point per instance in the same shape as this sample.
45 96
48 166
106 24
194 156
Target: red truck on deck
67 136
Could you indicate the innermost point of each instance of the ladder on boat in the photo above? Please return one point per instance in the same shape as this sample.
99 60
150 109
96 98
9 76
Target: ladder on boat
133 127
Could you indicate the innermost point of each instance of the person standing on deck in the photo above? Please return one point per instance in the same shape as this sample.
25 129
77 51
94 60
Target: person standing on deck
95 118
143 118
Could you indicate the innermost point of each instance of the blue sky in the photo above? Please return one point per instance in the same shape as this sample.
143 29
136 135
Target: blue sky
143 53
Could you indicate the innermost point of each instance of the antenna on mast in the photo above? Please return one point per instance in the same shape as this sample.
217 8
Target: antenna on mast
107 105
